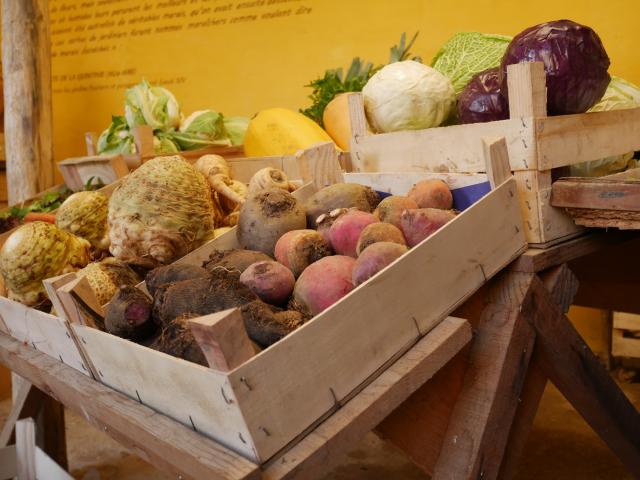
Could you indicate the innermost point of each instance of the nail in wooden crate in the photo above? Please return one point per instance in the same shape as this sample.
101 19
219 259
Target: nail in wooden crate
539 147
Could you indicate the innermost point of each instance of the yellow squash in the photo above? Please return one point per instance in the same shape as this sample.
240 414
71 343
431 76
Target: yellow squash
336 120
279 131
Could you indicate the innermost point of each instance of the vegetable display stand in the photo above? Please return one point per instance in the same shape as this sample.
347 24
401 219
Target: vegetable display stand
603 202
466 420
265 403
539 146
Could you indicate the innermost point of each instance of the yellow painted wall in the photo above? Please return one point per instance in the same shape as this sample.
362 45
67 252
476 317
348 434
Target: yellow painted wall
244 67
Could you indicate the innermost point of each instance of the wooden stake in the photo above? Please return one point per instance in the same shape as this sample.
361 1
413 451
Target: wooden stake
496 157
26 59
223 339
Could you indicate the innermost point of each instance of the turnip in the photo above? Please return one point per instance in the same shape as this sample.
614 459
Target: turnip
390 209
374 258
271 281
266 216
238 260
419 224
340 195
128 314
298 249
379 232
431 194
171 274
322 284
324 222
346 230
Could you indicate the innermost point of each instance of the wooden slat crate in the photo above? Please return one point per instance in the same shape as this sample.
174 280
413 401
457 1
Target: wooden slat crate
609 201
537 145
77 171
268 401
625 337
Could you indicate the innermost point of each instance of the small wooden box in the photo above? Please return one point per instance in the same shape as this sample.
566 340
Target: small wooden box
538 145
266 403
625 337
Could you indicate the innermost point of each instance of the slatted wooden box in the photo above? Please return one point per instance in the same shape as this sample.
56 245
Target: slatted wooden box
538 147
266 403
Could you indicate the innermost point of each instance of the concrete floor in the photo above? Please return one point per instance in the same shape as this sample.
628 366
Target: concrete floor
561 446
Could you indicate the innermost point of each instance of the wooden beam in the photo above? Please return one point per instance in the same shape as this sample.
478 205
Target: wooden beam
331 440
223 339
478 430
538 259
152 436
26 61
51 433
26 403
583 380
570 139
561 285
597 193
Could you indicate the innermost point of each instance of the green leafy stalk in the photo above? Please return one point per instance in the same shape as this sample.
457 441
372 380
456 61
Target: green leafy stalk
358 74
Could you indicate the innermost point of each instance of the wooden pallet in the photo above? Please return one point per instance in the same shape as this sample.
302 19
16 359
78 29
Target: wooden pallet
268 401
612 201
537 144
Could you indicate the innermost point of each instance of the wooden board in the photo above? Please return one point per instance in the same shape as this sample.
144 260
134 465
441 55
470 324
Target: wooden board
570 139
623 345
331 440
597 193
626 321
196 396
374 323
41 331
150 435
455 148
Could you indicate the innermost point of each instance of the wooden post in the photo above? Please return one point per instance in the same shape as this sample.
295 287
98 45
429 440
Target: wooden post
26 60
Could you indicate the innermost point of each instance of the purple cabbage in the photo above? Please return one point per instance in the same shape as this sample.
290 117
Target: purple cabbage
481 101
575 62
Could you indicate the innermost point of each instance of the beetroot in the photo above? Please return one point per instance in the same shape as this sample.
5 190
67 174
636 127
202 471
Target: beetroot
266 216
238 260
374 258
324 222
271 281
419 224
431 194
128 314
390 209
346 230
298 249
340 195
322 284
379 232
172 273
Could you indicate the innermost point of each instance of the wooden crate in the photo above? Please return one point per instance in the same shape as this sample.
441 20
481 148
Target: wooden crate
270 400
537 144
604 202
143 136
77 171
625 336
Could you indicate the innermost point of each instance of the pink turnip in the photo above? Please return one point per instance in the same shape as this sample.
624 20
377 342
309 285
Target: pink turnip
374 258
271 281
431 194
379 232
322 284
419 224
390 209
298 249
346 230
